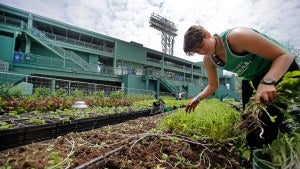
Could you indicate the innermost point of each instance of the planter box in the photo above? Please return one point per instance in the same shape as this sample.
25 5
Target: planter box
11 138
131 115
63 128
39 132
115 118
86 124
145 113
137 114
101 121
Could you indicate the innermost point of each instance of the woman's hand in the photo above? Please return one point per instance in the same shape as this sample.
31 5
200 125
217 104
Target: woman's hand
192 105
266 93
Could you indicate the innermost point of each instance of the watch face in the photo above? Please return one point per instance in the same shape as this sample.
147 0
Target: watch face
269 80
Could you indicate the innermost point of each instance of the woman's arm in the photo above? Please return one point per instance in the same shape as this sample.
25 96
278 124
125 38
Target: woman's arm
212 86
213 81
245 39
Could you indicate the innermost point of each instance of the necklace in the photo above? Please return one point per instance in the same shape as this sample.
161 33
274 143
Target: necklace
219 62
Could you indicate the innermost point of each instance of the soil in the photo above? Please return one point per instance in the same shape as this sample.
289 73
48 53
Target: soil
134 144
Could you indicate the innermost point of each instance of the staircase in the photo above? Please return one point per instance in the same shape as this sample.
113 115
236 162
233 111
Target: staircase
168 84
65 54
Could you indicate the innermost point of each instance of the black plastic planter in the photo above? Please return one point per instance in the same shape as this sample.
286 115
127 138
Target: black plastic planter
115 118
39 132
28 132
141 113
133 115
63 128
11 138
86 124
101 121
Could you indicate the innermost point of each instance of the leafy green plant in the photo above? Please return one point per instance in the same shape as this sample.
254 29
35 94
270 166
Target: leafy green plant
37 121
211 119
288 92
118 94
41 92
78 94
99 94
54 158
138 96
167 98
289 87
8 90
60 93
5 125
282 153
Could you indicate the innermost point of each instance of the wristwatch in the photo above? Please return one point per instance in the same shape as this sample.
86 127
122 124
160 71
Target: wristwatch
197 99
268 81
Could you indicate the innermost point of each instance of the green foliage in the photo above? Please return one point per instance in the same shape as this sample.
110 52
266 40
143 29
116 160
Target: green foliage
54 158
144 103
37 121
288 92
118 94
78 94
60 93
211 119
166 98
235 104
41 92
289 87
140 96
5 125
283 152
99 94
175 103
9 91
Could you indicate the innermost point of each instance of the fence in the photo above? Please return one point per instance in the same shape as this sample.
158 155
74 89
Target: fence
68 85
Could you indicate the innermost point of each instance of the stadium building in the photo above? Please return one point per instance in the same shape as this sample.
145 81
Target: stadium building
42 52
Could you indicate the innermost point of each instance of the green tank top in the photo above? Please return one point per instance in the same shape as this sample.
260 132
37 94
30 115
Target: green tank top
248 65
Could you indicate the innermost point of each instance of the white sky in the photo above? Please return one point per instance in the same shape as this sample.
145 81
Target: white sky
129 19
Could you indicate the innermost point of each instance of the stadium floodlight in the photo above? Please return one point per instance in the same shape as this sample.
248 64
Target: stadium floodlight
168 30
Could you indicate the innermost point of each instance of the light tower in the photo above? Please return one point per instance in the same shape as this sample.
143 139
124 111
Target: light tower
168 30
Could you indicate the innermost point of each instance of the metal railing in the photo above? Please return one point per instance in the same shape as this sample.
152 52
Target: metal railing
60 51
68 85
50 62
153 60
12 21
151 72
76 42
169 84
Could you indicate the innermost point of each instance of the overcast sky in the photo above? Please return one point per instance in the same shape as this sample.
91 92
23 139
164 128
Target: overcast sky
129 19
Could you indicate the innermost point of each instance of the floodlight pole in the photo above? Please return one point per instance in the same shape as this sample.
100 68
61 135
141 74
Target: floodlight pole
168 30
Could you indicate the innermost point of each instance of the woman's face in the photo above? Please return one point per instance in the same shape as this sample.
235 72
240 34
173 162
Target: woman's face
207 46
